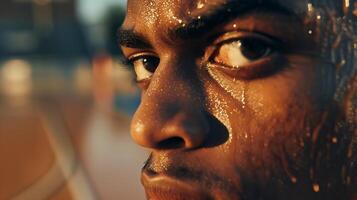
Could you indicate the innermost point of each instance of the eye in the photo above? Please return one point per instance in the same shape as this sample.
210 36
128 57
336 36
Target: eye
144 65
246 55
239 53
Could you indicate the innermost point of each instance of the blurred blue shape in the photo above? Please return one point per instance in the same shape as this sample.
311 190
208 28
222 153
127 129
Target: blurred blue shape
126 103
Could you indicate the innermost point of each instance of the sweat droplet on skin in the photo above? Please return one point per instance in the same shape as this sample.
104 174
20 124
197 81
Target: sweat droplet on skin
139 127
246 135
150 13
219 107
180 21
236 90
200 5
243 99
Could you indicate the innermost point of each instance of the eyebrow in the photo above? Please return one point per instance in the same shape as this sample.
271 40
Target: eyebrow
198 25
129 38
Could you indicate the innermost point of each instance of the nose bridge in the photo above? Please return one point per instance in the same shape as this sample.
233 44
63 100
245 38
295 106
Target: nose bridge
174 87
171 109
176 76
171 87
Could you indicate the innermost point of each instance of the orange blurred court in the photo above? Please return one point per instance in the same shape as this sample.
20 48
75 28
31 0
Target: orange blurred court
66 142
65 103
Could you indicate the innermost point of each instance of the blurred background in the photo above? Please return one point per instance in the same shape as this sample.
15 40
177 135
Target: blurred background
65 103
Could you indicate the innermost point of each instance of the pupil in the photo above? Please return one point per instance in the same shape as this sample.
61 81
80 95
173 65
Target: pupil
253 49
151 63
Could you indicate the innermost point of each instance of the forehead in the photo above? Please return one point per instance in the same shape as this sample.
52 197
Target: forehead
159 13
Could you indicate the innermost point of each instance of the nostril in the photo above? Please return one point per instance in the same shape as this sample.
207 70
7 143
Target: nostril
172 143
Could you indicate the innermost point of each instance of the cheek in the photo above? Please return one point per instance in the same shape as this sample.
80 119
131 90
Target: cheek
272 100
265 116
276 119
286 102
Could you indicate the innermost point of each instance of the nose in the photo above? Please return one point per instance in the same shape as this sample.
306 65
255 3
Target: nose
171 114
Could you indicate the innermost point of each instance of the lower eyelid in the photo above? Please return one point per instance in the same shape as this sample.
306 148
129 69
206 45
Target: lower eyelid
144 83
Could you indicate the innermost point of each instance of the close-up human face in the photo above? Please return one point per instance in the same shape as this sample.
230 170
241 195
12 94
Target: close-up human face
237 100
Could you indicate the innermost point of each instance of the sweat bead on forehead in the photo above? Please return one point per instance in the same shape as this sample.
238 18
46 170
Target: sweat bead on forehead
158 13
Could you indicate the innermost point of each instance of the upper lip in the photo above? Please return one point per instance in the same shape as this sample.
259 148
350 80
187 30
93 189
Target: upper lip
159 186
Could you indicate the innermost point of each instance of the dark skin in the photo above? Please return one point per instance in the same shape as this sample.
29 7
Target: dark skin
230 105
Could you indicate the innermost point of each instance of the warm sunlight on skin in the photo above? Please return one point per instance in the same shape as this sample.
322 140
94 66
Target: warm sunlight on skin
238 100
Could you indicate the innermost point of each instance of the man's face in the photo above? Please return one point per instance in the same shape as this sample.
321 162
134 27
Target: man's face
233 96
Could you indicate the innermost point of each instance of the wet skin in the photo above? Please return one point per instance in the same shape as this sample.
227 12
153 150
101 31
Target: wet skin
233 94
